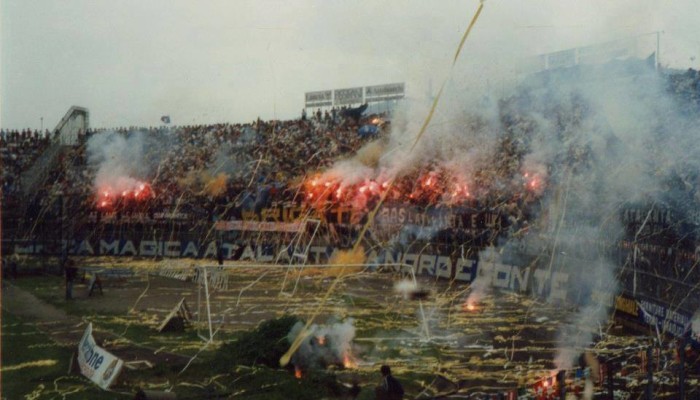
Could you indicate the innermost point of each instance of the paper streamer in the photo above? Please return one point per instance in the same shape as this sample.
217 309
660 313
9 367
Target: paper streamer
303 334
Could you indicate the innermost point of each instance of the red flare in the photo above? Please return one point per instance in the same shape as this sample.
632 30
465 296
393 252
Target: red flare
297 372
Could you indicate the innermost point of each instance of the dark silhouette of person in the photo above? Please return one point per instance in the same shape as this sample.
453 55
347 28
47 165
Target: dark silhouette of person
71 272
95 283
390 388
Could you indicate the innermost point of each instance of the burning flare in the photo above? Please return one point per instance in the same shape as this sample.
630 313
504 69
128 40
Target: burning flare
348 361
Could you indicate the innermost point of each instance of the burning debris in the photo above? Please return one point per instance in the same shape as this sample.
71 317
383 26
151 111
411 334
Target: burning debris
324 346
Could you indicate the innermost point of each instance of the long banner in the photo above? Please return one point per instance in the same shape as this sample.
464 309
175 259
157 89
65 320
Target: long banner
96 363
656 314
257 226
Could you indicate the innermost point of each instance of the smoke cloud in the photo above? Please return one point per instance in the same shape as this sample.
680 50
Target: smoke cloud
574 145
325 345
481 285
123 162
405 287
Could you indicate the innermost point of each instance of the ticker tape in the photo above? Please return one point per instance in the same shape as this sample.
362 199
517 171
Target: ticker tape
304 333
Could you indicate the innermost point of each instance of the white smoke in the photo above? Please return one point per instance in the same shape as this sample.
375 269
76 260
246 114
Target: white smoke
325 345
482 283
123 162
695 324
405 287
597 140
582 326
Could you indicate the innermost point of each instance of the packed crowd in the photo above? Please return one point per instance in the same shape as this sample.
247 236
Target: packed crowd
214 169
202 168
18 150
686 87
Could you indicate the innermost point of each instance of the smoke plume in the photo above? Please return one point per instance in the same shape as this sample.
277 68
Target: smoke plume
123 162
574 145
325 345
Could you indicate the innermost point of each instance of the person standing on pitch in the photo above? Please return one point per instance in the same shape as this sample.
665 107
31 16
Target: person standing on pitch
390 388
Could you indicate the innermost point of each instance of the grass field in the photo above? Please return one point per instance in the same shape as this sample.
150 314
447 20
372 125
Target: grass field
35 367
433 345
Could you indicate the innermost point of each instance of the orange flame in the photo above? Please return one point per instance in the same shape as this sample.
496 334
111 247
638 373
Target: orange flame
297 372
321 340
348 361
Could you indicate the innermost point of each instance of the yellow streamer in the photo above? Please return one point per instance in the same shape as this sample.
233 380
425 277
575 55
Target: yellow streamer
284 360
466 33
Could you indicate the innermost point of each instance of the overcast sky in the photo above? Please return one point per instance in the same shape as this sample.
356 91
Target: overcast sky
132 61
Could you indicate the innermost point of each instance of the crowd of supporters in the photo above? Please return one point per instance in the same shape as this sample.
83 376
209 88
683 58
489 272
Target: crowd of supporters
210 167
214 171
18 150
201 167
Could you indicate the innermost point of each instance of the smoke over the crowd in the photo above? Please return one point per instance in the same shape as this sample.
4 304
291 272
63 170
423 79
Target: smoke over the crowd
127 164
123 163
573 145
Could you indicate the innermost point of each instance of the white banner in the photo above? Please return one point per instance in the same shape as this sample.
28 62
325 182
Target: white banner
342 97
257 226
319 99
391 91
96 363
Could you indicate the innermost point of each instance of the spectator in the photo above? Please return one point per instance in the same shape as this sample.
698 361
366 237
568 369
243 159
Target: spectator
71 272
389 388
